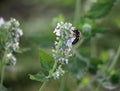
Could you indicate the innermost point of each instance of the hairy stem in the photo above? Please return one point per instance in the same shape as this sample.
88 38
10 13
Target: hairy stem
43 86
45 82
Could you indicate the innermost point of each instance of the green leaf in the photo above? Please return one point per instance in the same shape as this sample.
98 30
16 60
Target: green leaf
38 77
100 8
46 60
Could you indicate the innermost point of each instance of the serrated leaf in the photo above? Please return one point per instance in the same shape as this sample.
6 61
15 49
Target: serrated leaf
46 60
100 9
38 77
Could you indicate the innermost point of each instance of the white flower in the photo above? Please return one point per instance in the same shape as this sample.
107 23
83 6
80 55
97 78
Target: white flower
59 72
13 60
57 31
72 28
56 75
1 21
58 25
56 42
9 55
17 24
69 42
15 46
20 32
66 60
69 25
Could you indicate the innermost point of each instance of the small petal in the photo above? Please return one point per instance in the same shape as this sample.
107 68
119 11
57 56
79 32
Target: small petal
56 42
66 60
69 25
9 55
57 31
69 42
72 28
20 32
13 60
58 25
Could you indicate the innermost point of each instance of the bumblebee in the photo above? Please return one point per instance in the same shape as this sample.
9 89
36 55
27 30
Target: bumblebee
77 36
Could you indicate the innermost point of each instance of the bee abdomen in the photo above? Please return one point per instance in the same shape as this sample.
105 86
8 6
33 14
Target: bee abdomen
75 40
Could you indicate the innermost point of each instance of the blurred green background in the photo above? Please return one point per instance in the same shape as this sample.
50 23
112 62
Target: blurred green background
36 19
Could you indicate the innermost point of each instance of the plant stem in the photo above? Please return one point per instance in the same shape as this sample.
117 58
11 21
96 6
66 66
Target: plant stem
63 83
77 11
54 67
115 59
43 86
51 72
2 70
2 77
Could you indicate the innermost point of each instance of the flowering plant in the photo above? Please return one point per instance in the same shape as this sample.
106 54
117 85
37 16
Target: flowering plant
9 43
63 46
65 36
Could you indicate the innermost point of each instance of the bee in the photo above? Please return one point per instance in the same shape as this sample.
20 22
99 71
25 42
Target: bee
77 36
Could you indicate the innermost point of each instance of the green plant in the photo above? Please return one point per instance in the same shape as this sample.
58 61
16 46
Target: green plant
9 43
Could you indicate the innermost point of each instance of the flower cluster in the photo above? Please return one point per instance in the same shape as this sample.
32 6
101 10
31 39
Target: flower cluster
59 72
63 43
63 46
9 39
